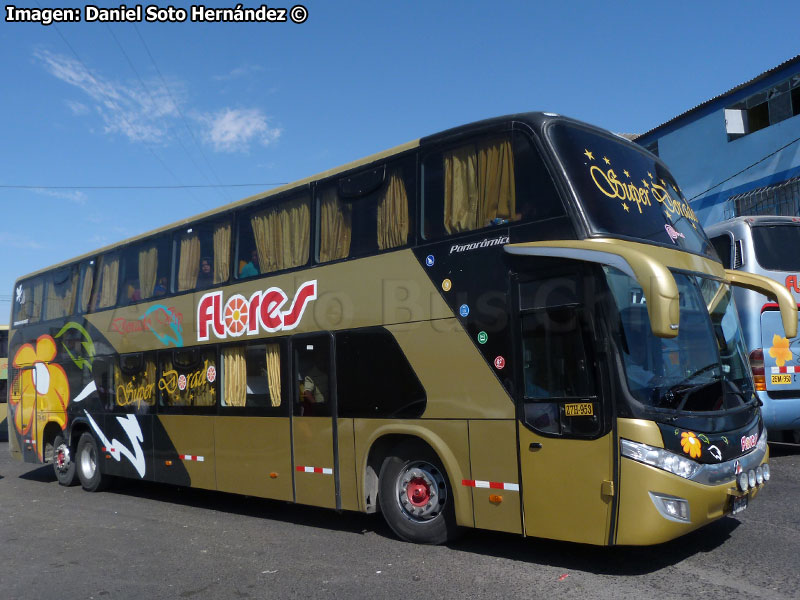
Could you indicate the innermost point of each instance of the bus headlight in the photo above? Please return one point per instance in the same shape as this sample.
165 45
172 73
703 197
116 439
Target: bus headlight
765 468
659 458
743 481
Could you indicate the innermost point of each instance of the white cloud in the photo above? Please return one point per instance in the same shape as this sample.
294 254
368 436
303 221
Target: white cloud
234 130
77 108
74 196
14 240
239 72
141 114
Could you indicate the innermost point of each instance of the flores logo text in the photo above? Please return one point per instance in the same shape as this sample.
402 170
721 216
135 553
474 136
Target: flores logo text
262 312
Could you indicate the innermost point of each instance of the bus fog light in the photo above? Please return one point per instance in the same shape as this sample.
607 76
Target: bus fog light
751 478
759 475
765 468
742 481
671 507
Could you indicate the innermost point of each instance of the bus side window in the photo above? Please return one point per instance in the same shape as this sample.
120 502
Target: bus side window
274 237
188 380
252 377
28 301
202 256
312 396
373 377
145 267
722 244
135 383
490 181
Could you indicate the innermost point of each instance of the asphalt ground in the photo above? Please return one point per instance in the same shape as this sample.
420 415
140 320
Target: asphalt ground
151 541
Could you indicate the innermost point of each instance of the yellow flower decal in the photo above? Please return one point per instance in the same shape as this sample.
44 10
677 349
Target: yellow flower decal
780 350
40 388
690 444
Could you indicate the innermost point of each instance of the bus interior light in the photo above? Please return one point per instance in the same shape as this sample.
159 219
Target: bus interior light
659 458
671 507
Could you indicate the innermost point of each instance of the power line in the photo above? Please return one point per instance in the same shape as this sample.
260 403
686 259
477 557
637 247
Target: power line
110 100
153 100
794 141
175 104
138 187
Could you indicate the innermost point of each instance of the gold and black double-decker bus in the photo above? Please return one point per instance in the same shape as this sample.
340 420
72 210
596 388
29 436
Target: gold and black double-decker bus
514 325
3 382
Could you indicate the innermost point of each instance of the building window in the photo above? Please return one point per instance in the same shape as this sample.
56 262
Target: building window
765 108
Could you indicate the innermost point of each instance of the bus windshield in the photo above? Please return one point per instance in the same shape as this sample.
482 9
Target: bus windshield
702 369
623 191
771 242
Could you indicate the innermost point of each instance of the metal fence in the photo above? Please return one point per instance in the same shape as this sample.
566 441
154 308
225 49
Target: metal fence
780 199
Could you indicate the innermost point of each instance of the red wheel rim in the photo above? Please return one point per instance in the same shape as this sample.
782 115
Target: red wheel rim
418 491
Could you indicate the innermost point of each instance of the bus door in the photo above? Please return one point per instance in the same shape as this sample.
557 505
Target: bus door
313 422
27 408
566 446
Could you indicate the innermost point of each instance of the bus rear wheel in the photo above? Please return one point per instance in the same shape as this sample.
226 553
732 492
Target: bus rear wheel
63 464
415 497
88 463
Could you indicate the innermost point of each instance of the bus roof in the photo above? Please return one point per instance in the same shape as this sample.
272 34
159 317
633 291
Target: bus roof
233 205
537 119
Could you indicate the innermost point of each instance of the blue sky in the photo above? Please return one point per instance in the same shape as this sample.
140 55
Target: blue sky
88 105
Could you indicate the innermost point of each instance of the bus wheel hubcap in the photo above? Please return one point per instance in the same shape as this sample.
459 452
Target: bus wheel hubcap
421 491
62 458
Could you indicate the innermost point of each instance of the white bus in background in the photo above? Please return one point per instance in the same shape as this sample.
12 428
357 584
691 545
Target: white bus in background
770 246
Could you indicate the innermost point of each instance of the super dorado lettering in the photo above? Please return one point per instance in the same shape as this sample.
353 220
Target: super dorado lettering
261 312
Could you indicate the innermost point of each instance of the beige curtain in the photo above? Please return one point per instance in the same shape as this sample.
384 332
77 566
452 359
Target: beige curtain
109 281
60 305
496 198
222 252
274 373
479 185
189 263
335 227
148 270
86 288
234 366
282 234
393 213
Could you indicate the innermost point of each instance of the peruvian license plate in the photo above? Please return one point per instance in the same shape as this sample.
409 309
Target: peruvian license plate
781 379
739 504
583 409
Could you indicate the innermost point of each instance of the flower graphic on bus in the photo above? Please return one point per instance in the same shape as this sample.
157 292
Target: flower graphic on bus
41 384
780 350
690 444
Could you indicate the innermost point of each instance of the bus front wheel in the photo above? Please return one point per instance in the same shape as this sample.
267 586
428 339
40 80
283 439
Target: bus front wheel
415 496
63 463
88 463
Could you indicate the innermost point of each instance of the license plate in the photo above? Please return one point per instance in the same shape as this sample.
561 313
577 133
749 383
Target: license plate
739 504
781 379
584 409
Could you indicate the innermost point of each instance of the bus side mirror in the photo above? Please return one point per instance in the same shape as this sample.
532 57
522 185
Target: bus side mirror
658 284
773 289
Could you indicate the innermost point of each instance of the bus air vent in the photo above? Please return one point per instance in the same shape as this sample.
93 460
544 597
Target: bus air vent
738 261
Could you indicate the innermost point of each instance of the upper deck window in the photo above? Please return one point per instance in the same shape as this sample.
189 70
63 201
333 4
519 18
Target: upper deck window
625 192
60 291
145 270
203 255
487 182
104 294
275 237
365 212
28 297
